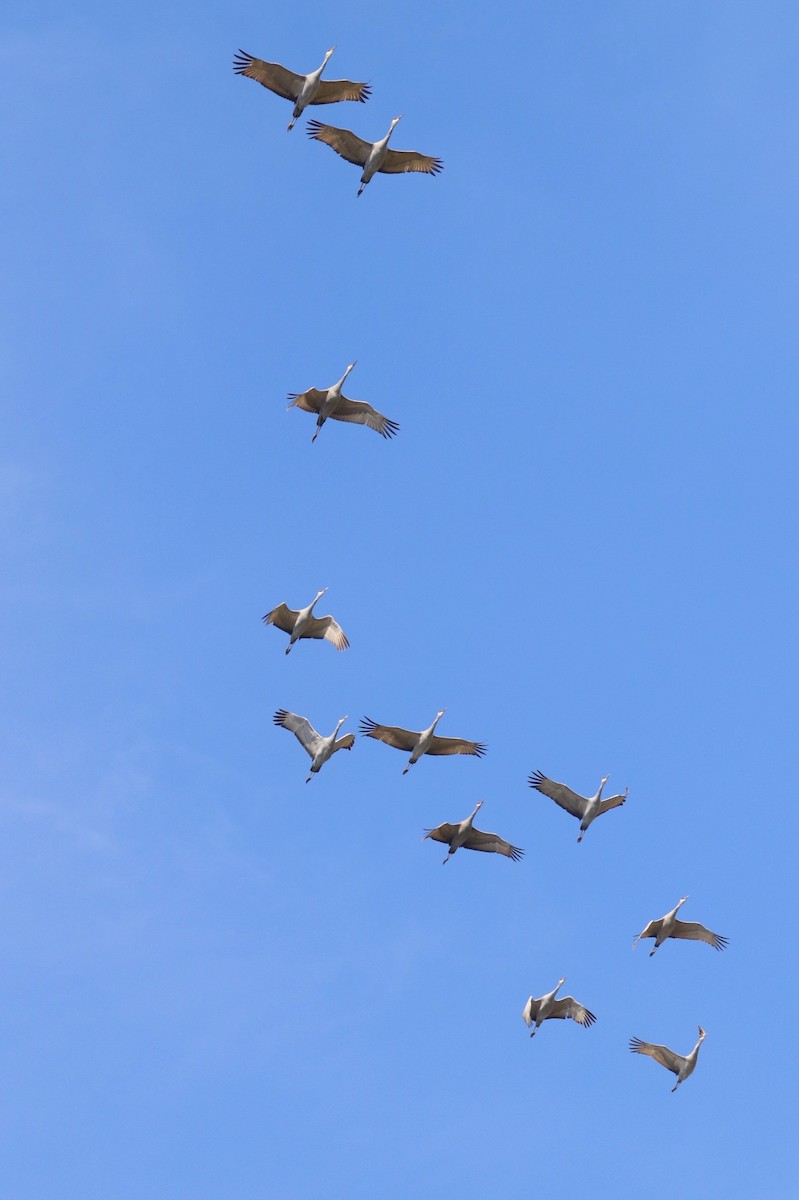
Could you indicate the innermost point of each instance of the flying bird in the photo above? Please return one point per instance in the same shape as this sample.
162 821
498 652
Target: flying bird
537 1011
464 834
670 927
303 624
302 89
586 808
682 1066
329 402
417 744
373 156
319 748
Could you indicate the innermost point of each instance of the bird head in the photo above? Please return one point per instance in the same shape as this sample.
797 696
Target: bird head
605 778
440 714
396 120
479 804
329 52
702 1034
682 901
561 982
349 368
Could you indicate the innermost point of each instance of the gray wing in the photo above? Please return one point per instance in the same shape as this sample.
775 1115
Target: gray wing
611 802
530 1011
310 401
271 75
442 833
345 743
567 1006
302 729
397 162
652 930
392 735
562 795
282 617
492 843
330 91
345 143
360 413
694 932
326 627
449 745
667 1058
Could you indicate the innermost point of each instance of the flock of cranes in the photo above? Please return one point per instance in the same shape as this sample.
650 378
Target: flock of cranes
330 403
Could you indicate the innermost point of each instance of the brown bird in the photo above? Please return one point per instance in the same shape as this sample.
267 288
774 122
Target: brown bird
417 744
464 834
319 748
373 156
303 624
537 1011
302 89
681 1065
670 927
329 402
585 808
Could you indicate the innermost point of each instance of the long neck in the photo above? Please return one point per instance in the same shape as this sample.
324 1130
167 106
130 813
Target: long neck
475 811
315 600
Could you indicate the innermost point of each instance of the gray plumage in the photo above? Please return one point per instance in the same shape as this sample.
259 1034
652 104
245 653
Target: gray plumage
464 834
680 1065
417 744
301 623
302 89
535 1012
319 748
585 808
374 157
670 927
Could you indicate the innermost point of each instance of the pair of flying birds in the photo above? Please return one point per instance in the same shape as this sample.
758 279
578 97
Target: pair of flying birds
302 90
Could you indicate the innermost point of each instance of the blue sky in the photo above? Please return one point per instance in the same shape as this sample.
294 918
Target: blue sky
217 981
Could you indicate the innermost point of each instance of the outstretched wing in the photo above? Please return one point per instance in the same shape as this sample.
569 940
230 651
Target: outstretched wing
442 833
567 1006
652 930
667 1058
345 143
346 742
326 627
449 745
492 843
611 802
694 932
392 735
310 401
330 91
281 617
397 162
302 729
562 795
360 413
271 75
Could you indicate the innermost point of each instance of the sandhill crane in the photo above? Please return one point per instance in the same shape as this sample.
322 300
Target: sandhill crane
329 402
464 834
670 927
682 1066
303 624
320 748
302 89
426 742
586 808
373 156
536 1011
